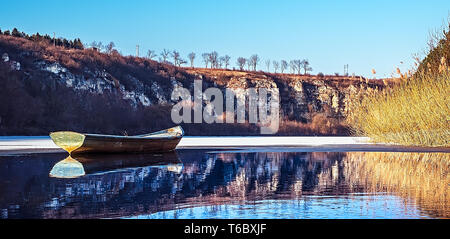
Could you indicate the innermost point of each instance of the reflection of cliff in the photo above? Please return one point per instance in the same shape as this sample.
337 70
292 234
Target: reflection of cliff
207 178
283 175
423 177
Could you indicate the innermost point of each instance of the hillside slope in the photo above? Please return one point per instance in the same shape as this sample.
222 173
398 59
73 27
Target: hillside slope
45 88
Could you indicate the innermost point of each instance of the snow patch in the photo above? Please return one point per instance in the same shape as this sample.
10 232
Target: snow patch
5 57
135 97
145 101
15 65
55 68
158 92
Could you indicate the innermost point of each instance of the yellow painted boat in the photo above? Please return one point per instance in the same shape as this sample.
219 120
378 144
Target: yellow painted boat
78 143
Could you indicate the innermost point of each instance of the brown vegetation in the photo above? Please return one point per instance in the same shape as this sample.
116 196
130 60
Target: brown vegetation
33 102
416 110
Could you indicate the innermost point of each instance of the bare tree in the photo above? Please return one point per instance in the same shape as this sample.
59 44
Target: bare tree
298 65
176 57
284 66
276 65
221 61
151 54
110 47
249 64
292 66
181 62
191 57
165 54
254 59
268 65
214 59
305 66
226 61
241 63
205 57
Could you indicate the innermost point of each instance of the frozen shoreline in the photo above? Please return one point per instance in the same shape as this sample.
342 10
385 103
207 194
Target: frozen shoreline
43 144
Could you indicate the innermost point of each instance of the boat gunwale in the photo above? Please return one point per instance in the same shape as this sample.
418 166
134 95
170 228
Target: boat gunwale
107 137
103 136
150 136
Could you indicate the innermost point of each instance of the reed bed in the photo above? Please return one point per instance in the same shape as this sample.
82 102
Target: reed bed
415 111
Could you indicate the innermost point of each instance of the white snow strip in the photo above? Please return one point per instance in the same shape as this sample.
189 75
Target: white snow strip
43 144
277 141
27 143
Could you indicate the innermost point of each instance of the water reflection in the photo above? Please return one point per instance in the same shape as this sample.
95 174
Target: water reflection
422 177
217 185
104 163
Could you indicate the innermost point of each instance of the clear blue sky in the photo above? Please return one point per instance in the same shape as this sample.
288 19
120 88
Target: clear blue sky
365 35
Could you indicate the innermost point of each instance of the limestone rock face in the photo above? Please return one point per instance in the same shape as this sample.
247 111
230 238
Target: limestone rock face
300 95
238 83
5 57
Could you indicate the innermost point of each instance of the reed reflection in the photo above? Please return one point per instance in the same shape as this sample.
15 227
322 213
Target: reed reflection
422 177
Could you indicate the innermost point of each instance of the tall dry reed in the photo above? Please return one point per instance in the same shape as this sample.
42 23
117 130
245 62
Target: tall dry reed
413 112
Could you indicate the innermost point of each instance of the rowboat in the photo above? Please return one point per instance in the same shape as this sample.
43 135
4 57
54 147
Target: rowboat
78 143
95 164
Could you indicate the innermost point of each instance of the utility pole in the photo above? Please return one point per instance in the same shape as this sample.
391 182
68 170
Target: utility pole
137 50
54 39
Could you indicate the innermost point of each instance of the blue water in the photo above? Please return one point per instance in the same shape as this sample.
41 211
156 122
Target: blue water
350 207
195 184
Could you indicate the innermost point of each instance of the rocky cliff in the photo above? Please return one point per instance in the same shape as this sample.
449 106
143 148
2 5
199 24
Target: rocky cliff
55 83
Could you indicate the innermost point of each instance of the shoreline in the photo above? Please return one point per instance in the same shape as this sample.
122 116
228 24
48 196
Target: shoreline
19 145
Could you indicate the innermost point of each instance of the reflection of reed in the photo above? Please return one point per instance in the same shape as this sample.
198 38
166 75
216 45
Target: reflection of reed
424 177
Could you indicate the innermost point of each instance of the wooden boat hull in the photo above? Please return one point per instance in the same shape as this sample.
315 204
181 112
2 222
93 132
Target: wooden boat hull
76 143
